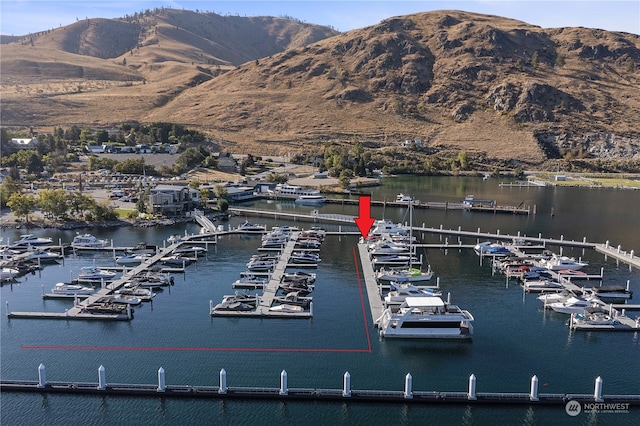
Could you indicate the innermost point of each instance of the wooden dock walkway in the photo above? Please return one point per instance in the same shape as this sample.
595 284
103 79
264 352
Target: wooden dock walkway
371 283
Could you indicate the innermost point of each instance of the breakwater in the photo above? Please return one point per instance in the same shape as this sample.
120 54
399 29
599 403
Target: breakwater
407 395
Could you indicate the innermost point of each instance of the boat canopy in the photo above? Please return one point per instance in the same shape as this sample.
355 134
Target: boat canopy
424 302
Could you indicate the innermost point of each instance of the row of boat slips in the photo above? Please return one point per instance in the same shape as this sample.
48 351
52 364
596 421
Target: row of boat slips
114 298
590 307
284 294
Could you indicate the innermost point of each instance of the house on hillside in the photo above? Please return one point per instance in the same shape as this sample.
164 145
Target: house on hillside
174 200
24 143
227 164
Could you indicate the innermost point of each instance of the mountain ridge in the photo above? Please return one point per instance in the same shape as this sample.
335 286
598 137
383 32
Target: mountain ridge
456 80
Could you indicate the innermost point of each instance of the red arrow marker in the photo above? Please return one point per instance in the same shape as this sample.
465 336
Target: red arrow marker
364 219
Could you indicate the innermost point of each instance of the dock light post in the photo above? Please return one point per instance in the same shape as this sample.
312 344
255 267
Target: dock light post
42 376
408 382
222 389
161 383
346 385
597 394
533 396
102 381
472 388
283 383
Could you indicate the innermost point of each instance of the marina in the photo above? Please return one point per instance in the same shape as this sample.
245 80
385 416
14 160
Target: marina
254 352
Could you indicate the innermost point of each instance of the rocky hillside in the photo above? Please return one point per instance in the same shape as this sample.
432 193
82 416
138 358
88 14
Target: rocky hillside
488 85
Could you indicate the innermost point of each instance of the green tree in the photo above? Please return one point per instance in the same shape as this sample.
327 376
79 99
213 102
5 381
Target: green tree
559 61
80 203
53 202
345 178
221 192
535 59
9 187
22 204
223 205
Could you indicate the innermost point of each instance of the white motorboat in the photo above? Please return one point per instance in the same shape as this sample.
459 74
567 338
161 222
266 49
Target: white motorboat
195 250
405 199
304 257
233 306
383 247
395 260
275 242
574 304
30 240
139 292
302 288
43 256
241 297
92 273
426 318
294 298
7 274
398 293
132 259
261 265
286 308
251 227
386 226
72 289
121 299
411 275
174 239
298 276
559 296
311 199
594 318
558 263
535 285
176 260
88 241
250 281
491 249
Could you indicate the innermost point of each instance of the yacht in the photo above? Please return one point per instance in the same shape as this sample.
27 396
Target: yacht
72 289
398 293
411 275
261 265
176 260
386 226
92 273
132 259
7 274
196 250
387 247
298 276
85 241
283 190
43 256
426 318
30 240
558 263
395 260
285 307
406 199
250 281
294 298
304 257
311 199
574 304
250 227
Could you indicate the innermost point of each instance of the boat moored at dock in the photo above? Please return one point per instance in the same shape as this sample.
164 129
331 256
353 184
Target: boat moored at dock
426 318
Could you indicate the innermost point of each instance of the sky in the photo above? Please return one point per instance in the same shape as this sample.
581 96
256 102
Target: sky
20 17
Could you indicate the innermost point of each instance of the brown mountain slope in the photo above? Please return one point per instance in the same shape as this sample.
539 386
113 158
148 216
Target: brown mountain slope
455 80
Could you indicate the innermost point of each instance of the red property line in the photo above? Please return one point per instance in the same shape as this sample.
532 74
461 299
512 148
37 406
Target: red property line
143 348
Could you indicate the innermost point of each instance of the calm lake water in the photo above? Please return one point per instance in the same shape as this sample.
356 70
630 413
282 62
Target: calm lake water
514 338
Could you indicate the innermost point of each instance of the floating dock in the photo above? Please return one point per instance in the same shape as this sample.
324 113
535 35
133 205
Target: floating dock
265 301
595 400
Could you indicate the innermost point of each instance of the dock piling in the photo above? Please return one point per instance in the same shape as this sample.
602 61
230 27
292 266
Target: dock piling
42 376
597 394
346 385
533 396
161 383
283 383
102 382
222 389
472 388
408 382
